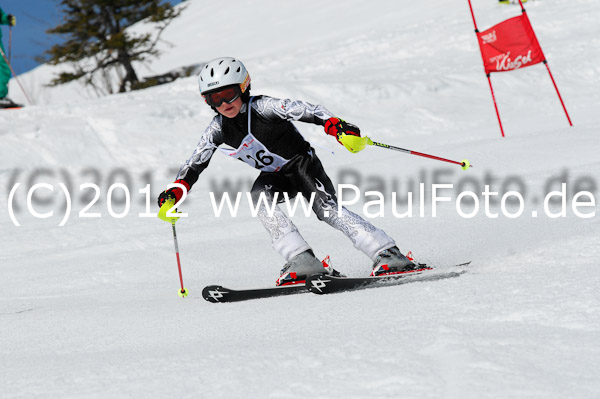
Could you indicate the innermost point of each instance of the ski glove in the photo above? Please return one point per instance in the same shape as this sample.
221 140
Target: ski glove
336 127
174 193
12 20
346 134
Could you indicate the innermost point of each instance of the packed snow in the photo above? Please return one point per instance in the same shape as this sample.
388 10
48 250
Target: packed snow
90 309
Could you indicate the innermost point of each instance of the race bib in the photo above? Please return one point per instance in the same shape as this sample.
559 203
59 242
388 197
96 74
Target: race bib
254 153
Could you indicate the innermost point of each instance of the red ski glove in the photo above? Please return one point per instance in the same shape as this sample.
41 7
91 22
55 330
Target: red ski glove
336 127
173 193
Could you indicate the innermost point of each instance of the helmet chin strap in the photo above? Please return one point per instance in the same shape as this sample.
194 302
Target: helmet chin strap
246 95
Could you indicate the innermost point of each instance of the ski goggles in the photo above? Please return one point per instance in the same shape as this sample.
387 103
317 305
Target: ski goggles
227 95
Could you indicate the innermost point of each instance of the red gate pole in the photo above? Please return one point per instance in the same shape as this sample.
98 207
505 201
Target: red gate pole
495 105
557 92
487 74
473 16
548 69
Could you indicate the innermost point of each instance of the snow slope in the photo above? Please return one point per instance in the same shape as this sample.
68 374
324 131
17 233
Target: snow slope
90 309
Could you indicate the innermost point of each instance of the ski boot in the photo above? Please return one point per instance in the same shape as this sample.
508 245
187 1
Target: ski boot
391 261
303 265
6 102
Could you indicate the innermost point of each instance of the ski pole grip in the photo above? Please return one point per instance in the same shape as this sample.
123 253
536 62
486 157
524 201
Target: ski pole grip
165 208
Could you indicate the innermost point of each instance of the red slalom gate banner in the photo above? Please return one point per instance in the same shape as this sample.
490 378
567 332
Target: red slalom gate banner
511 45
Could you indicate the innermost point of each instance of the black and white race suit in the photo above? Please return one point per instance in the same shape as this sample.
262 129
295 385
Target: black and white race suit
266 139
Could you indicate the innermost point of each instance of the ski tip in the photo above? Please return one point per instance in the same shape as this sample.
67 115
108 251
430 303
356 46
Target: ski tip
214 293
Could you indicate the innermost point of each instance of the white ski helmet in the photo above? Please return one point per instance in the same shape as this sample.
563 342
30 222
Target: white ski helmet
221 72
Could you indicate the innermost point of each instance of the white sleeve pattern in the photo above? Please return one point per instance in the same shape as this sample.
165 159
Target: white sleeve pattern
206 147
292 110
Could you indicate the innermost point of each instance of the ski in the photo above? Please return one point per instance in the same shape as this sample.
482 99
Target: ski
9 104
220 294
322 284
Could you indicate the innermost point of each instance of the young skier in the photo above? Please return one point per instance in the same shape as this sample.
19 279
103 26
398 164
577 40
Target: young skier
5 74
260 132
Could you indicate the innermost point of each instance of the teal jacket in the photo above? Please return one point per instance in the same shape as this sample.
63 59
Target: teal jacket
3 20
5 73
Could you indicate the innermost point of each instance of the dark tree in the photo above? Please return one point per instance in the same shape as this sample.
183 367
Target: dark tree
98 44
